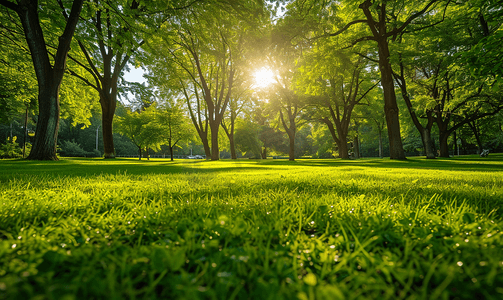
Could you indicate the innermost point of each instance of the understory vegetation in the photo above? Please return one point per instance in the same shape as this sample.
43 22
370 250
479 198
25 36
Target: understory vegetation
246 229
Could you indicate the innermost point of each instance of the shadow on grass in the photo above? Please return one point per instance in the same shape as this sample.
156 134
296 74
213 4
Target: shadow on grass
93 166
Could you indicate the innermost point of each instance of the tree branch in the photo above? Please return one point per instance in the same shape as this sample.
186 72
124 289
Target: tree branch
10 5
346 27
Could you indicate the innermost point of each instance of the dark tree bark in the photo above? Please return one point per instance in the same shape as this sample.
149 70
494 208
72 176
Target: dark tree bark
108 111
390 104
49 76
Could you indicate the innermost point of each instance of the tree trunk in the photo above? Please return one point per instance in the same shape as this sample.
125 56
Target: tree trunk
49 76
108 105
206 146
343 149
215 153
25 131
264 153
356 147
108 138
444 147
230 135
390 104
427 143
291 151
341 141
46 135
139 151
171 151
233 147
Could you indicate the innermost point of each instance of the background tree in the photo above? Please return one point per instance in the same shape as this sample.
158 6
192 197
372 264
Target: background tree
112 35
175 124
143 128
337 82
205 43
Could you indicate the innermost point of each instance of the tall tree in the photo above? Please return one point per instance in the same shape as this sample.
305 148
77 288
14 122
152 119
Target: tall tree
144 128
49 72
112 38
380 22
205 43
337 82
176 125
443 90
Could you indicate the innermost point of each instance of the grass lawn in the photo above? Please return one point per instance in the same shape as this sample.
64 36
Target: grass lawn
249 229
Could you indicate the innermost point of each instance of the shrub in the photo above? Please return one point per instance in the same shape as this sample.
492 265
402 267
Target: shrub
10 149
72 149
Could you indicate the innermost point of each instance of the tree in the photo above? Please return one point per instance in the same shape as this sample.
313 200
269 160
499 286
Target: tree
175 125
205 44
143 128
49 72
443 90
247 138
378 21
113 29
236 105
337 83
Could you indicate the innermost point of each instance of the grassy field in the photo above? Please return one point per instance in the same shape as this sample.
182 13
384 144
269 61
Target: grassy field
246 229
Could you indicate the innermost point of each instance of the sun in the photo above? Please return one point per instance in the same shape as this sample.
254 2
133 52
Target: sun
264 77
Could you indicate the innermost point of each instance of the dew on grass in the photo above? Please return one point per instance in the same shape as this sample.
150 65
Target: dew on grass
460 263
482 263
19 237
332 246
214 265
14 246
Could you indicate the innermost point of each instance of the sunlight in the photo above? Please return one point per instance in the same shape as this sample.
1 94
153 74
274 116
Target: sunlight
264 77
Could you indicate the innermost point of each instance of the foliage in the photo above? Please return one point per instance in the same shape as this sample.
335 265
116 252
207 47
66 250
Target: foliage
72 149
247 138
367 229
10 149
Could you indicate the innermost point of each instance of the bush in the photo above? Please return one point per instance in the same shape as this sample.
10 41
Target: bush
11 149
95 153
72 149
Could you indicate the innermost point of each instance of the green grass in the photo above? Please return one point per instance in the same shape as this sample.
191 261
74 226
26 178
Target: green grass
311 229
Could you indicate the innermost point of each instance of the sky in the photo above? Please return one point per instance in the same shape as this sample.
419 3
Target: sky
135 75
